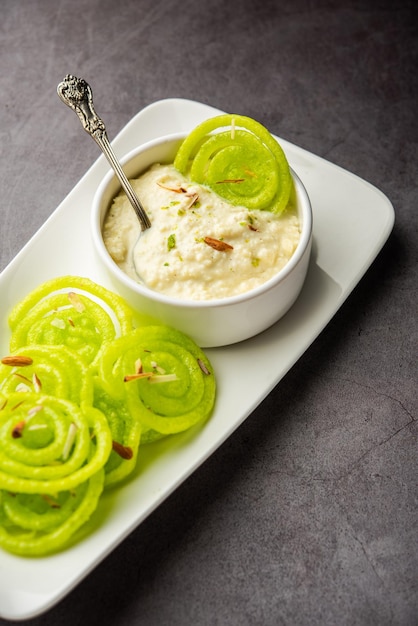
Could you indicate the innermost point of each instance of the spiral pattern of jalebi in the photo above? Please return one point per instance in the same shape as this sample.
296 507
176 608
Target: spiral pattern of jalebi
49 444
77 390
36 524
244 163
166 379
71 311
51 369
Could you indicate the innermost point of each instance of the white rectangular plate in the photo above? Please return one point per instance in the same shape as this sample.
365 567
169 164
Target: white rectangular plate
352 220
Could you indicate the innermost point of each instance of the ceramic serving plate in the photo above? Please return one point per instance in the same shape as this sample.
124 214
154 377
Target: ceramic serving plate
352 221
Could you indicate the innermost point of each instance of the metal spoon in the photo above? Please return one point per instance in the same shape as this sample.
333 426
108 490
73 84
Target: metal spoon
77 94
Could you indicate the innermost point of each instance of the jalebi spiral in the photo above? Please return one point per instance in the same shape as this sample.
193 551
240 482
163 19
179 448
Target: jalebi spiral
49 444
37 524
78 395
164 377
71 311
54 370
241 161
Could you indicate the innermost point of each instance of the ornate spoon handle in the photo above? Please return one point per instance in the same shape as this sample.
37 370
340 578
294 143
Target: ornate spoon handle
77 94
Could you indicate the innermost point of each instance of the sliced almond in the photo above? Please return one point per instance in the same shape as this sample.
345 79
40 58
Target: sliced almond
174 189
193 199
52 503
16 406
71 435
17 360
76 302
163 378
130 377
203 367
125 452
230 180
58 323
217 244
37 385
21 377
23 388
34 410
18 429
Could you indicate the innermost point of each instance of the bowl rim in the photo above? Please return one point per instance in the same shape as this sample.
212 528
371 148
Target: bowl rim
142 290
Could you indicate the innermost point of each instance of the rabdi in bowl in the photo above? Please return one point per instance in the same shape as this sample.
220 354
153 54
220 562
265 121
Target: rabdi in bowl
213 264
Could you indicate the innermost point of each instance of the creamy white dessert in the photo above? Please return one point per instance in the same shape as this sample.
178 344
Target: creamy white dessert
199 246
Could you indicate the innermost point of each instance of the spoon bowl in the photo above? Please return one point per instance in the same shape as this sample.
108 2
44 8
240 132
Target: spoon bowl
210 323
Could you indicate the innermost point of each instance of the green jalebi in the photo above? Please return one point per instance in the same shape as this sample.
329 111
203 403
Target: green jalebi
164 377
126 434
54 370
49 444
36 525
244 164
71 311
73 407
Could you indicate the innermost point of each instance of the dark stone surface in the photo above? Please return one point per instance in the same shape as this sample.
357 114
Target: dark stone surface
307 515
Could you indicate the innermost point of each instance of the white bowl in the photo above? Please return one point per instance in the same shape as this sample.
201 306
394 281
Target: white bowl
213 322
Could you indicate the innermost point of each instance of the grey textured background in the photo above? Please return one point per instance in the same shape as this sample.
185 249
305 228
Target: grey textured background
307 515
